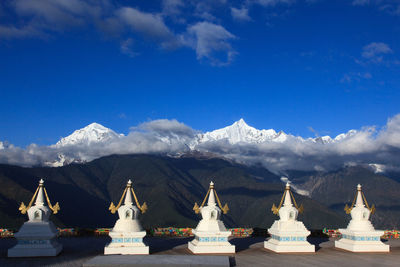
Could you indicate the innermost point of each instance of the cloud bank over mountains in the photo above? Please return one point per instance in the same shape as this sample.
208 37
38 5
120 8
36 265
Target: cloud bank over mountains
240 142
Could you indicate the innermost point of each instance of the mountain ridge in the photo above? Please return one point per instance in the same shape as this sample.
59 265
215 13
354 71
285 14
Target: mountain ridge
169 186
238 132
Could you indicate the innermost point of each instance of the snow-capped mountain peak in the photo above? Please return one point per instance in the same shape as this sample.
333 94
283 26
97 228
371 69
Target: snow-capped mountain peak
240 131
240 123
345 135
1 145
93 133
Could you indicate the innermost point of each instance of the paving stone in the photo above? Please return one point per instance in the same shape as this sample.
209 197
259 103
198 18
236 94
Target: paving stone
158 261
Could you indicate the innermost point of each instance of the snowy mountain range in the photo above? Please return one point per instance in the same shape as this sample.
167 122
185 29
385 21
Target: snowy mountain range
241 132
238 132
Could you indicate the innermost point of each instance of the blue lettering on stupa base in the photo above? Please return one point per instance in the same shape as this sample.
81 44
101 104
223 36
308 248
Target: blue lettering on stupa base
289 238
212 239
33 242
361 238
127 240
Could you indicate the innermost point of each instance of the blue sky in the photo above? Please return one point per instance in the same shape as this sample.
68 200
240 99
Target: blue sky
283 64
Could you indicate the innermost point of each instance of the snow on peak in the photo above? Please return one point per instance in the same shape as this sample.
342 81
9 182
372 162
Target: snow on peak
323 139
240 131
1 145
237 133
345 135
93 133
377 168
241 123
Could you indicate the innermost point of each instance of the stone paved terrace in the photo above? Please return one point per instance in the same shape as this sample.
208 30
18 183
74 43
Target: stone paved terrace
250 252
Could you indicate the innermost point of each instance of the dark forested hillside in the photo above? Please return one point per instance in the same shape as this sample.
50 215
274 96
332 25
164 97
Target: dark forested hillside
335 189
170 186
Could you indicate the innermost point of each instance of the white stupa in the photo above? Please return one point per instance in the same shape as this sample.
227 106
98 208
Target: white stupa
127 234
288 234
37 236
210 234
360 235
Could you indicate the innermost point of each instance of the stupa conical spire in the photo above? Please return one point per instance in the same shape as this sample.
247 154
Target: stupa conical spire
40 197
128 196
212 195
288 200
128 200
359 201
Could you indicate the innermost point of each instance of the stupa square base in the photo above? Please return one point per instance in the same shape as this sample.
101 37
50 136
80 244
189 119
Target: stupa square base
130 243
34 251
211 247
361 241
289 247
289 240
142 250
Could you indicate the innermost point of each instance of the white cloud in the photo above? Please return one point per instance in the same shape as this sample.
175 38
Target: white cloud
172 7
60 13
267 3
165 127
373 51
126 47
241 14
391 7
360 2
390 136
11 32
41 17
205 9
210 40
366 146
149 24
355 77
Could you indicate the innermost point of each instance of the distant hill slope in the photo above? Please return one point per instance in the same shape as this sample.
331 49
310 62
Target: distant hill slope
337 188
170 186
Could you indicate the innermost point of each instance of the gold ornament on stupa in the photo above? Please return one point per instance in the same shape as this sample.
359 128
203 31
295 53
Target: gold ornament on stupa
54 208
143 207
224 209
276 209
348 209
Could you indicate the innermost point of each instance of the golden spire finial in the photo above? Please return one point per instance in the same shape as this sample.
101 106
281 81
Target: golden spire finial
128 188
224 209
348 209
275 209
54 208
